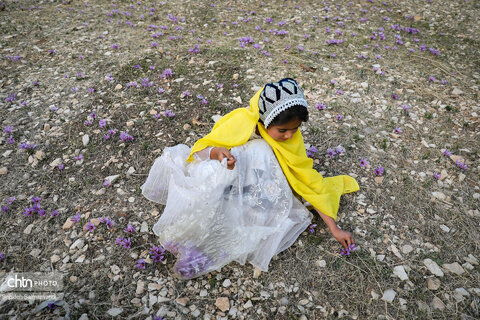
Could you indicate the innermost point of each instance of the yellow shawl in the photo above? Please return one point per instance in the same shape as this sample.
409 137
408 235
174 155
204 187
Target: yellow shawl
236 127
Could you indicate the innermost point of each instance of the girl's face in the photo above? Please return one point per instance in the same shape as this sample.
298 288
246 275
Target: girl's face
285 131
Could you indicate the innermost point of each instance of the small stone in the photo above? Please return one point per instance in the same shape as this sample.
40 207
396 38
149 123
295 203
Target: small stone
55 162
3 171
130 123
389 295
80 259
216 117
111 179
131 199
468 266
54 258
115 269
457 92
144 227
187 126
379 179
364 85
226 283
85 139
248 304
471 259
114 311
460 293
439 195
46 127
284 301
433 284
399 271
39 155
68 224
78 244
454 268
140 288
438 304
222 303
433 267
406 249
118 87
422 306
28 229
182 301
256 273
130 171
35 253
84 316
321 263
238 99
444 228
375 295
303 302
203 293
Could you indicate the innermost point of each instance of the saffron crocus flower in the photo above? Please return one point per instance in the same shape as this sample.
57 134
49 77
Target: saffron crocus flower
140 264
76 218
447 153
54 213
10 200
444 82
4 208
36 199
347 251
161 90
437 175
89 226
331 153
10 140
320 106
379 171
169 113
8 129
28 212
41 212
311 228
431 79
398 130
79 157
61 166
102 123
395 96
461 165
112 132
405 108
2 256
52 306
339 150
130 229
339 116
125 136
10 98
311 151
364 162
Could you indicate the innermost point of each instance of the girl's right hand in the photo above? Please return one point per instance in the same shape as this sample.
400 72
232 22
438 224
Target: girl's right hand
219 154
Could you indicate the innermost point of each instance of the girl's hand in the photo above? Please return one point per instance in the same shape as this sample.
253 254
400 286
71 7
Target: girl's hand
219 154
344 237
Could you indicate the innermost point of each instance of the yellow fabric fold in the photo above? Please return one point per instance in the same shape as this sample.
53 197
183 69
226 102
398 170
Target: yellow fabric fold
236 127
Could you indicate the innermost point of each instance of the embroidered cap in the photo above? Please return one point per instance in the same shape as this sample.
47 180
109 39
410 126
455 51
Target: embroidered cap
277 97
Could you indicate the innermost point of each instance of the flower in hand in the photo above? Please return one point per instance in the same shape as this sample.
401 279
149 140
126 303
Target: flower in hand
347 251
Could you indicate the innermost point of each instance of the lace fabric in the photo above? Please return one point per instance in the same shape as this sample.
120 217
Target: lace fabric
213 215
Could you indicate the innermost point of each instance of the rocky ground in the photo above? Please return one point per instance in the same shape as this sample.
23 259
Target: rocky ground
91 92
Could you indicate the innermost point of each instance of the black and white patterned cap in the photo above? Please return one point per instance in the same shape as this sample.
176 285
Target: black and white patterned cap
277 97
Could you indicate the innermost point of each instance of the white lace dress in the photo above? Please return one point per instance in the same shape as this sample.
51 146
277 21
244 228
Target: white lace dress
214 215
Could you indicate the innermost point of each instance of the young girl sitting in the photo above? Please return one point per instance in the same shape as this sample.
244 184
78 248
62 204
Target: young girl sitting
233 195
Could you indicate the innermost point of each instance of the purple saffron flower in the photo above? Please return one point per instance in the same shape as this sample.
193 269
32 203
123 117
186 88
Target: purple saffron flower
398 130
169 113
311 151
106 136
125 136
89 226
28 212
379 171
130 229
10 140
444 82
191 262
60 166
52 306
36 199
461 165
161 90
4 208
339 150
54 213
347 251
431 79
339 116
102 123
76 218
167 73
394 96
311 228
437 175
364 162
10 98
331 153
79 157
41 212
339 92
320 106
112 132
220 86
447 153
405 108
8 129
2 256
140 264
10 200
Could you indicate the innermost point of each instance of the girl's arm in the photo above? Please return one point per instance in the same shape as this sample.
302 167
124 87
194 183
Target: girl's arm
344 237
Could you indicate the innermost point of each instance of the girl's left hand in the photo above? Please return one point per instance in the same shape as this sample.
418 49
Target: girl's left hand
344 237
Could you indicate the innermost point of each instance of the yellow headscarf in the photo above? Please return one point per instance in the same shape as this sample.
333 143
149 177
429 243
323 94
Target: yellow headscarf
236 127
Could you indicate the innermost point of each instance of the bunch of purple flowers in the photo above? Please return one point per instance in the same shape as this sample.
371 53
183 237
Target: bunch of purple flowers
311 152
125 136
108 222
157 253
124 242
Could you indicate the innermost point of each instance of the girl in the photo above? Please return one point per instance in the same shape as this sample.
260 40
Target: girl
233 195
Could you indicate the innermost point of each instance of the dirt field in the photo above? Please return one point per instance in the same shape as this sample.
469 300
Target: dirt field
91 92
